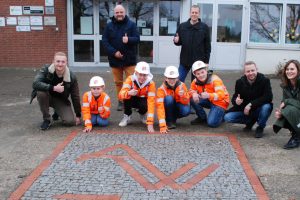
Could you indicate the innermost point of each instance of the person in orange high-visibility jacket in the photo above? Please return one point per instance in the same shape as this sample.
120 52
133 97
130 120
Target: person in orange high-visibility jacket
95 105
138 91
172 100
208 91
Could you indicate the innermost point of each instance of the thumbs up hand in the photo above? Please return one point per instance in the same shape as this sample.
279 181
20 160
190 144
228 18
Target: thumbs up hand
238 100
59 88
176 38
125 39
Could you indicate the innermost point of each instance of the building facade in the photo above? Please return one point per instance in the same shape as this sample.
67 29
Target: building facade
265 31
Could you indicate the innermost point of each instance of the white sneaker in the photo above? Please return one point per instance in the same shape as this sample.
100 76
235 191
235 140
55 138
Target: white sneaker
143 118
125 120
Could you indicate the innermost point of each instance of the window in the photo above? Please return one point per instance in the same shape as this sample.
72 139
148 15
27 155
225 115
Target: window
168 17
265 22
292 33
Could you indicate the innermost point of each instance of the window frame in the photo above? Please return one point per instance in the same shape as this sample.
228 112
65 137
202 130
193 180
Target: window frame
282 28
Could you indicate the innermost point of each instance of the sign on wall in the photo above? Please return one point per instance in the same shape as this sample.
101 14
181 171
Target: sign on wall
15 10
2 21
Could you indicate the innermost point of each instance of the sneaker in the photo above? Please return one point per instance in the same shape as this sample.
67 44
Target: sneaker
125 120
45 125
171 125
120 106
259 132
292 143
143 118
198 120
55 116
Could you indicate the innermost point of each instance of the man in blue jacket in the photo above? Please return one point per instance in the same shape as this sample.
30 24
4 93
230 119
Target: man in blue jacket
120 39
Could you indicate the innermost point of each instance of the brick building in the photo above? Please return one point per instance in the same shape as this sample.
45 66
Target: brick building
266 31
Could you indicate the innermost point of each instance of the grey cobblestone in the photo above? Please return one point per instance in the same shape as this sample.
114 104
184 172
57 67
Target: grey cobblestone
168 153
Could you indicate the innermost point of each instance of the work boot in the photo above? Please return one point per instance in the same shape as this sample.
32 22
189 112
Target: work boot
125 120
259 132
248 126
55 116
45 125
197 121
294 142
120 106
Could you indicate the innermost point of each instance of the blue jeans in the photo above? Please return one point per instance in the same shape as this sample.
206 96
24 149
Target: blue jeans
175 110
260 115
183 71
215 115
97 120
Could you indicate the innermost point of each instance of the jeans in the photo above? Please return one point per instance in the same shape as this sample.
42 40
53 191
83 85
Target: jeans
260 115
61 107
97 120
175 110
215 115
183 71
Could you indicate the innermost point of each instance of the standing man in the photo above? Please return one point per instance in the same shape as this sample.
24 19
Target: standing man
120 39
53 85
252 100
194 38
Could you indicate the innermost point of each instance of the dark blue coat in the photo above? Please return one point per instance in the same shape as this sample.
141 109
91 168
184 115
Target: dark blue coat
112 41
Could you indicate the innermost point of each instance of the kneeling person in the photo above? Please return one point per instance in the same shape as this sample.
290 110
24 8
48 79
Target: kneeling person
172 100
138 91
208 91
95 105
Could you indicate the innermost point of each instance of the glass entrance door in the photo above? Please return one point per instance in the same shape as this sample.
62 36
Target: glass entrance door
225 20
156 21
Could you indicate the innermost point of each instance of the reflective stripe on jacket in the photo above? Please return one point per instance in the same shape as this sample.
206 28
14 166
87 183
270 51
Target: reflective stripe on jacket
90 106
162 92
146 92
218 94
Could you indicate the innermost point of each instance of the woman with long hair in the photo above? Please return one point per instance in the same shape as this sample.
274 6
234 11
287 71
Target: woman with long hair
288 113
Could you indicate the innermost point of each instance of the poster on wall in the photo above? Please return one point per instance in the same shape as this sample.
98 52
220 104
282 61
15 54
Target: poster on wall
49 21
163 22
49 10
11 21
15 10
86 25
141 23
37 28
22 28
36 20
172 26
146 31
49 2
2 21
23 21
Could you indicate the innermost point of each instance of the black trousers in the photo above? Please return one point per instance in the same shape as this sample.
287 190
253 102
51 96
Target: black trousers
135 102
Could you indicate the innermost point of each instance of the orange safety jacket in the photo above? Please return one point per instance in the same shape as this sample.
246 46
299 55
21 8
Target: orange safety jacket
164 91
147 91
218 94
90 106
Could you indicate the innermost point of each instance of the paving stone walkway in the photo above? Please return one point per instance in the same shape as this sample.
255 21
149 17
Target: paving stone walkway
132 166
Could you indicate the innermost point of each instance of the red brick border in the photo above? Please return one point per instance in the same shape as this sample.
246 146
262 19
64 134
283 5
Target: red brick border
253 179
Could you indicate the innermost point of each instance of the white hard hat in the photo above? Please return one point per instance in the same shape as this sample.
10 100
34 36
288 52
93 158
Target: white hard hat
198 65
96 81
171 72
142 67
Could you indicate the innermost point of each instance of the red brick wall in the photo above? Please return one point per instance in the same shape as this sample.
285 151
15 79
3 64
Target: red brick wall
34 48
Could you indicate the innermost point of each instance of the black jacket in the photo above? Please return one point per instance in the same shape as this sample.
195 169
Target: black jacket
112 42
195 42
43 82
259 93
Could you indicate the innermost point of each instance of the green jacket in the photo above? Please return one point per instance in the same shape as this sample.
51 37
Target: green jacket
291 111
43 82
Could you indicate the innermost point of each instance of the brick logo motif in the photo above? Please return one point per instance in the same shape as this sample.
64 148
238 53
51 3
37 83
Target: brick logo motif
164 180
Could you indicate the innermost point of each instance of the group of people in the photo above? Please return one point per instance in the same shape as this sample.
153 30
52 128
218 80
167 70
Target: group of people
251 101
